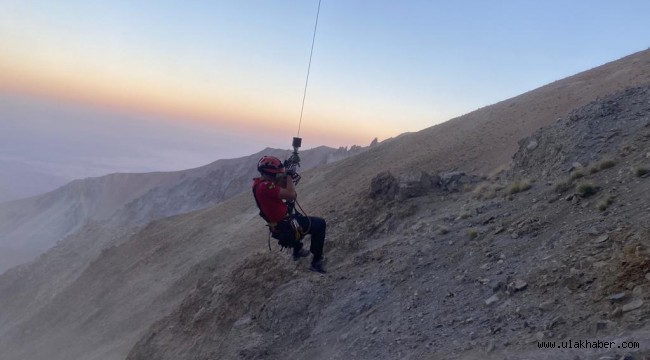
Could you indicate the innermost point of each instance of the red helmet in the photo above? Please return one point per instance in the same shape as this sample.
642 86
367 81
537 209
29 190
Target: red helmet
270 165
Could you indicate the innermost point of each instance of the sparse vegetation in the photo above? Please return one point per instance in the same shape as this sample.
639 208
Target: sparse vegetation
586 189
604 164
604 203
480 190
568 183
491 193
513 188
467 188
519 186
633 264
607 163
465 215
485 191
576 175
641 170
563 186
472 233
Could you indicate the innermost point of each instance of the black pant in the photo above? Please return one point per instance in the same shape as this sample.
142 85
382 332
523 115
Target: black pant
314 226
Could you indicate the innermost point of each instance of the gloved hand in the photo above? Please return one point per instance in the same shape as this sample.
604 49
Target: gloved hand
295 177
294 159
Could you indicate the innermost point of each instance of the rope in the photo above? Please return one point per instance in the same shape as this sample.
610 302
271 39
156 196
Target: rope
305 214
304 94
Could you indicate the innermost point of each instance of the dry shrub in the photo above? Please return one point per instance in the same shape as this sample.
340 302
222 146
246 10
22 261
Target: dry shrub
633 264
467 188
480 190
606 164
563 186
576 175
605 202
641 170
519 186
586 189
485 191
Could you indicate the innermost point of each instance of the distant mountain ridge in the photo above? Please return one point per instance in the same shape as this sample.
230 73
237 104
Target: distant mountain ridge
19 180
214 183
127 199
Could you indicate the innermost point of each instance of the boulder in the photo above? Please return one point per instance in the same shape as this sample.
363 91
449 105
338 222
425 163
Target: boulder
409 185
454 181
383 186
414 184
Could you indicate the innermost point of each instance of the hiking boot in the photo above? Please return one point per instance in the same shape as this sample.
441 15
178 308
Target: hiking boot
300 253
318 266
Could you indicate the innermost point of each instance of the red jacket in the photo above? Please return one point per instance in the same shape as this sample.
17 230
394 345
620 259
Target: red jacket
268 199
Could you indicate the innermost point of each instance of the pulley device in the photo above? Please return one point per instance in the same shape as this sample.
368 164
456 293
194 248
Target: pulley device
293 162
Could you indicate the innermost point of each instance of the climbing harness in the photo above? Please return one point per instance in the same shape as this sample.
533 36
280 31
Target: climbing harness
287 231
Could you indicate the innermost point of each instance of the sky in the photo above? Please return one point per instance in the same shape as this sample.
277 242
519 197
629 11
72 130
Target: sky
93 87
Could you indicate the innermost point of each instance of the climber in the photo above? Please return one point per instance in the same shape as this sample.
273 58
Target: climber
275 195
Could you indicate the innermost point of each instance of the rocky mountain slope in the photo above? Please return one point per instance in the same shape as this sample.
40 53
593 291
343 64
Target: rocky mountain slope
455 267
35 224
410 276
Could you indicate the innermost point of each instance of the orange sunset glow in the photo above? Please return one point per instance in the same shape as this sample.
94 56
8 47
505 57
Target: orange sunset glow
177 100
